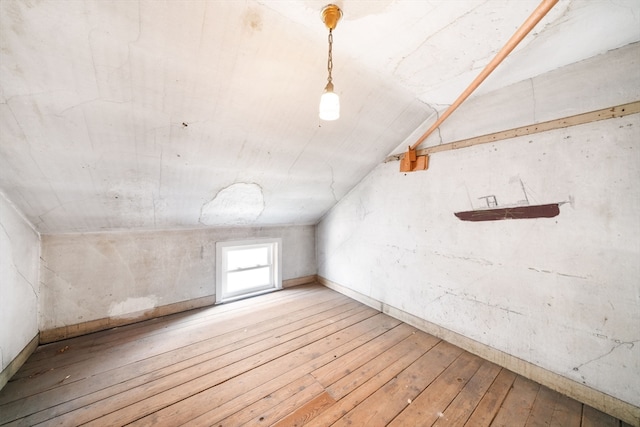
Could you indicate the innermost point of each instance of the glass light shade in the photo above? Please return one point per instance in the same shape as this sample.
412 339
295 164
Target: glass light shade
329 106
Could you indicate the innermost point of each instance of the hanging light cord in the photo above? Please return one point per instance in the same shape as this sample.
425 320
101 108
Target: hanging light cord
330 60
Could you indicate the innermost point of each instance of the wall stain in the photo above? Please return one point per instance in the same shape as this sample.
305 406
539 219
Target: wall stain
252 20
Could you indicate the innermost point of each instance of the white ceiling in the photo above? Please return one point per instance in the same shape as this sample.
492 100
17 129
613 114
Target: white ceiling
148 114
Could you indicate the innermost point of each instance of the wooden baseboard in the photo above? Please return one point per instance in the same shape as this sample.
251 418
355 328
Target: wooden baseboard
299 281
18 361
70 331
580 392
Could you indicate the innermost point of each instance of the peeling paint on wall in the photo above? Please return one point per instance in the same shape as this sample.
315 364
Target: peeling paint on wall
132 305
238 204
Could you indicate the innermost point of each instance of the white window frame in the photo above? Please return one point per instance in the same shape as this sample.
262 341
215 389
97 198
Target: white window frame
223 248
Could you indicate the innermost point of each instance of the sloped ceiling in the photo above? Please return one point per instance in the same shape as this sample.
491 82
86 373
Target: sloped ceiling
154 115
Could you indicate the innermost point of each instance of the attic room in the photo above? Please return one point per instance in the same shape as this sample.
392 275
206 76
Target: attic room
147 146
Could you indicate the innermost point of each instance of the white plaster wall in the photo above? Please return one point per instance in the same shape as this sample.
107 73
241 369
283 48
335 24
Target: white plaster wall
19 287
92 276
562 293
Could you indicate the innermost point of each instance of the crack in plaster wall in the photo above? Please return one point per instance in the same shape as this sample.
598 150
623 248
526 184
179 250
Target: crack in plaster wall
629 344
332 185
558 273
472 298
435 33
480 261
533 100
15 267
438 128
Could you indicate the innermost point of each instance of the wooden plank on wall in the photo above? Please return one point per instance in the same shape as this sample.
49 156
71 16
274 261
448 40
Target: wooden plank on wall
578 119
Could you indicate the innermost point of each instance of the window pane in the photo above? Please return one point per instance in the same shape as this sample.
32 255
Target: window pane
245 258
245 280
247 268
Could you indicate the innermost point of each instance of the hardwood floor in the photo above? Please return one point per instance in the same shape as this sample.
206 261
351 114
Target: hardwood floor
303 356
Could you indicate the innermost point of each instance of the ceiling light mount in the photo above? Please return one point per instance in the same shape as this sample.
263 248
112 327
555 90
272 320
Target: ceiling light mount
331 14
329 101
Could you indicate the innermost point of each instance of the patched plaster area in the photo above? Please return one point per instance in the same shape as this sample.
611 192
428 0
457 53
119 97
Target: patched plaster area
238 204
132 306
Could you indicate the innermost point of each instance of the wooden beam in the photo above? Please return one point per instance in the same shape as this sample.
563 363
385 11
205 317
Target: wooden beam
543 8
578 119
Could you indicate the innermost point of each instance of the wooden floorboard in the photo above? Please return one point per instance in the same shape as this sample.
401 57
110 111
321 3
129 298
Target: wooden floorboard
465 402
113 347
301 356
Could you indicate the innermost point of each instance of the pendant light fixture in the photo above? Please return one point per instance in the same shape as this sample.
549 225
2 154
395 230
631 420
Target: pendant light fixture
329 101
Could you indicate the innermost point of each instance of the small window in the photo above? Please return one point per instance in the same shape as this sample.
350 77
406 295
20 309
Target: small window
247 268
